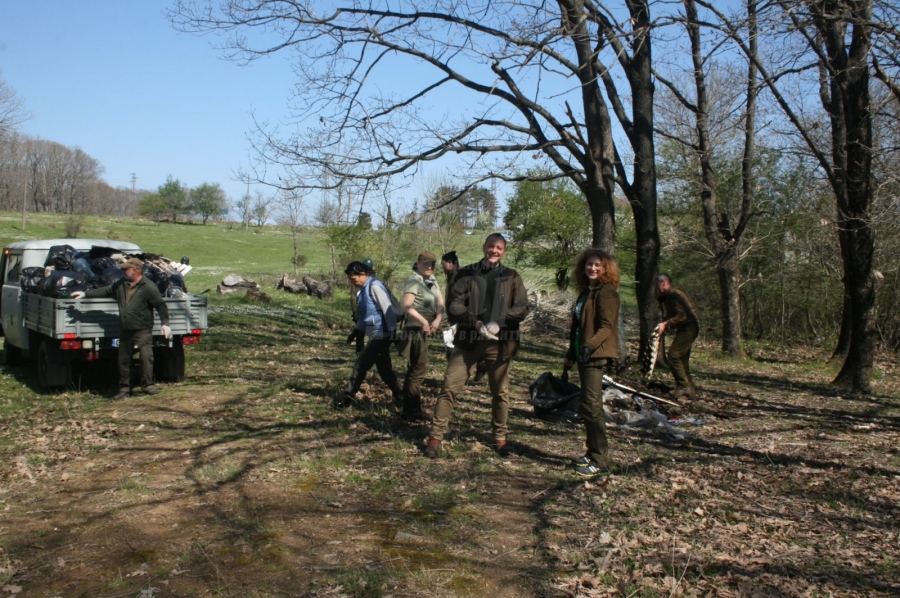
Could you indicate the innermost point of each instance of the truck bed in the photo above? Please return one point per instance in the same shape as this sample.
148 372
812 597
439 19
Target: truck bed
99 318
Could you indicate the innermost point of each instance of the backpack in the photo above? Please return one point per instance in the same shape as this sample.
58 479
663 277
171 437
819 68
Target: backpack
396 306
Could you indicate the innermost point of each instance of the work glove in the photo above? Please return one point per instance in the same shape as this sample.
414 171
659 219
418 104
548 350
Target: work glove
490 330
76 295
166 331
354 335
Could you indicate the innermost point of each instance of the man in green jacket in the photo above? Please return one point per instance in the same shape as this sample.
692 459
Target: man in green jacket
681 317
137 298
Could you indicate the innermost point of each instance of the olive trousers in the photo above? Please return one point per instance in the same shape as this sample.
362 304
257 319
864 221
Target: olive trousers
462 362
678 356
590 375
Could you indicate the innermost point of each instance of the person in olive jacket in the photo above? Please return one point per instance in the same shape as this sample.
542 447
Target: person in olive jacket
487 303
137 298
594 346
680 316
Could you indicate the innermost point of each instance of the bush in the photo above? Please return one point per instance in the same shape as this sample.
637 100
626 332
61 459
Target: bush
74 225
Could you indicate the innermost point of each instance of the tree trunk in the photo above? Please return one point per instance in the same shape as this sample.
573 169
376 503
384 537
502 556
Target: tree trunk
643 196
732 330
851 179
843 341
724 243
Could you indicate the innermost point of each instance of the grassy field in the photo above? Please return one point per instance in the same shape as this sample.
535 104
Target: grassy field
215 249
243 481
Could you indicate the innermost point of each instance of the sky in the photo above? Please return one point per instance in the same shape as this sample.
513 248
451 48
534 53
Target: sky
115 79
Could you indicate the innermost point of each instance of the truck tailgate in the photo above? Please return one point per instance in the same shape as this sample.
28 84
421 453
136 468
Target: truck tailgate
99 318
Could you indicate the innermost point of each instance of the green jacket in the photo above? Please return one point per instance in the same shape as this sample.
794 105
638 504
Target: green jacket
137 314
598 327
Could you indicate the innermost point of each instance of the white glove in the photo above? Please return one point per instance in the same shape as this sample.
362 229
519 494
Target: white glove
166 331
76 295
490 330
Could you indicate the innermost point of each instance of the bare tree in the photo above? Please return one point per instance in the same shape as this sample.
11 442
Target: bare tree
710 110
12 109
829 43
261 208
290 212
535 74
443 224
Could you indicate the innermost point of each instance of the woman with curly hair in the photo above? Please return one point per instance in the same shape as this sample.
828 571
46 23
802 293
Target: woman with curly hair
594 346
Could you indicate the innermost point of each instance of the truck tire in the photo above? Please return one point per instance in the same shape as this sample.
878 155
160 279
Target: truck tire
12 353
53 368
168 362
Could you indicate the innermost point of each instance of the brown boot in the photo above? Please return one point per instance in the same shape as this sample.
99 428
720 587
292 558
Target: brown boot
503 448
433 450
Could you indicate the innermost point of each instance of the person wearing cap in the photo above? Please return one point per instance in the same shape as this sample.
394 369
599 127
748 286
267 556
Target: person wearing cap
354 308
487 302
376 320
423 304
450 266
137 298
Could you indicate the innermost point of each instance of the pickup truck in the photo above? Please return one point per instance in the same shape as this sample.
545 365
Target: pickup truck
57 333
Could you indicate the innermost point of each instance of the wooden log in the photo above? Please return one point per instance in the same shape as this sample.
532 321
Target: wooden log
321 290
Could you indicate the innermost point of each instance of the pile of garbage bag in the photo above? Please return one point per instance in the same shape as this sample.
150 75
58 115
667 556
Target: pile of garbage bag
67 270
557 400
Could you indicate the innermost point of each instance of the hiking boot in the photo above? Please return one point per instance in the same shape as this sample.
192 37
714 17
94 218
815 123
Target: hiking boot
124 393
433 450
582 460
151 390
591 470
342 400
503 448
413 415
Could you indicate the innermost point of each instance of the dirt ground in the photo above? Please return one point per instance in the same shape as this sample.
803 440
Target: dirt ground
242 481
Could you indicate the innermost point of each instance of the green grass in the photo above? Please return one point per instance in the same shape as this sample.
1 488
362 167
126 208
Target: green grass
215 249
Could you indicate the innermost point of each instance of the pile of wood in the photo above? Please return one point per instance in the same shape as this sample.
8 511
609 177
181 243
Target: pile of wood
307 284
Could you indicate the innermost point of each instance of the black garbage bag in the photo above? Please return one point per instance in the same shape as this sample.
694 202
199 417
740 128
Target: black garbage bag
99 264
61 257
109 276
555 399
158 276
83 267
177 281
98 251
62 283
31 279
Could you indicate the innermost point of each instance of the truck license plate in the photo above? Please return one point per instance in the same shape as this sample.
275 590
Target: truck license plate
115 342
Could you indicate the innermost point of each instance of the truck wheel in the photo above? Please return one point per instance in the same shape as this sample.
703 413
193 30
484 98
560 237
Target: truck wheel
53 368
13 354
168 362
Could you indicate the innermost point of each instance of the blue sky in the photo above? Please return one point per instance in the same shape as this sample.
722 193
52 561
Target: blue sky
115 79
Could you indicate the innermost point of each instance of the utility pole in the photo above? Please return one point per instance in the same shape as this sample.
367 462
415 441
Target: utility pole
246 214
24 197
133 187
